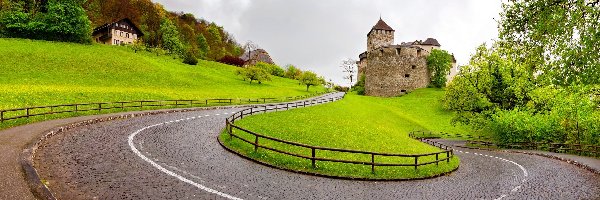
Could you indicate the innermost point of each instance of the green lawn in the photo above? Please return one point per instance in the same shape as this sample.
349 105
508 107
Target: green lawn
358 123
36 73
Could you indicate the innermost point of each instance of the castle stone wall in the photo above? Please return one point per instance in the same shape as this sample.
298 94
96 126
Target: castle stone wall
379 38
393 71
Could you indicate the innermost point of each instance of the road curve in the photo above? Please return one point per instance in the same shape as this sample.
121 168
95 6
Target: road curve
177 156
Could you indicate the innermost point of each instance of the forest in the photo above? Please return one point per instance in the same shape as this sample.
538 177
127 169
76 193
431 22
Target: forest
73 20
539 81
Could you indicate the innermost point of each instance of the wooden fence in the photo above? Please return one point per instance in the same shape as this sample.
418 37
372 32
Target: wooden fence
482 141
259 140
19 113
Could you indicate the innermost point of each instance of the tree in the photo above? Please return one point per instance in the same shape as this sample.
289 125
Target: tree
170 37
439 63
64 21
557 40
217 49
292 72
349 67
271 69
254 73
189 58
249 47
309 78
203 47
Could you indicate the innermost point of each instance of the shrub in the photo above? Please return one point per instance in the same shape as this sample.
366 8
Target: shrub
189 58
254 74
359 87
64 21
231 60
271 69
292 72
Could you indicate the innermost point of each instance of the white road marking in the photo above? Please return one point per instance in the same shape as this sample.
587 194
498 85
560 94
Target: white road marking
170 173
525 173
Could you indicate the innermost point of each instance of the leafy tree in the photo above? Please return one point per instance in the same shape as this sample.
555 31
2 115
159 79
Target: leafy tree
556 39
309 78
271 69
203 47
439 63
138 45
189 58
254 73
170 37
292 72
65 20
488 83
217 49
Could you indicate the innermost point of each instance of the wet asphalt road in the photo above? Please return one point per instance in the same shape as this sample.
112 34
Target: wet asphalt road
185 161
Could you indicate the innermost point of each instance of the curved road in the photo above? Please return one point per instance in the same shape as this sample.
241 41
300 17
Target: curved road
177 156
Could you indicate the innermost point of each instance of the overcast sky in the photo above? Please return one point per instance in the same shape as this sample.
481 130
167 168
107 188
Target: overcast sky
317 35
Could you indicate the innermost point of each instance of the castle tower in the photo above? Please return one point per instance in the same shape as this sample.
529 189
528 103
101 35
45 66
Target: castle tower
380 35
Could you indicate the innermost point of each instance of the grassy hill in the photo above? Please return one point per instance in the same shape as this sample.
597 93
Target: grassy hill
43 73
358 123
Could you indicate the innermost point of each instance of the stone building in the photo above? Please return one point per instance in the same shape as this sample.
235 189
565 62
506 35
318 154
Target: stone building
258 55
393 70
117 33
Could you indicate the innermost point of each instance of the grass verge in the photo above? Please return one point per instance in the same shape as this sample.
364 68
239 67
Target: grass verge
358 123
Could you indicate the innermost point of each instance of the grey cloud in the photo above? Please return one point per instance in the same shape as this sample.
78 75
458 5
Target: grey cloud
317 35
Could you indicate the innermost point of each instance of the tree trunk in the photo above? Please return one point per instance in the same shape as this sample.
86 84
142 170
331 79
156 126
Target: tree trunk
307 87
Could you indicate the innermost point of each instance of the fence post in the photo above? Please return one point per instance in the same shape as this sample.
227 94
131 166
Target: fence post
251 111
416 162
265 109
447 156
99 107
437 159
27 112
242 114
373 163
314 165
230 101
191 103
76 109
2 116
141 104
287 106
256 143
122 106
51 110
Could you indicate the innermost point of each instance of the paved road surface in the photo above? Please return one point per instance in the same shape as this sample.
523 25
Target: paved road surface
146 158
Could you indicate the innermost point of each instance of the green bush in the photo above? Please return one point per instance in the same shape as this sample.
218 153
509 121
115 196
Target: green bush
359 87
254 73
271 69
189 58
65 21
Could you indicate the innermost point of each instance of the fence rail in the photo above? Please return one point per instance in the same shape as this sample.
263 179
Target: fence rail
19 113
579 149
230 126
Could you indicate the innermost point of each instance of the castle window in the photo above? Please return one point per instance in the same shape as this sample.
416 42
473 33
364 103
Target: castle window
398 50
414 67
419 52
406 75
403 91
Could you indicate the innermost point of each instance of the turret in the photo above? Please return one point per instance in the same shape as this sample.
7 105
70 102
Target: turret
380 35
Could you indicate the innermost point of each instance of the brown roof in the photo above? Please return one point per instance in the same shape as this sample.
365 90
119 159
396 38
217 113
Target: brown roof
381 25
113 24
431 41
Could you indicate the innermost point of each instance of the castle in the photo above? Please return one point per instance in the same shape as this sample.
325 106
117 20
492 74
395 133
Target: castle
393 70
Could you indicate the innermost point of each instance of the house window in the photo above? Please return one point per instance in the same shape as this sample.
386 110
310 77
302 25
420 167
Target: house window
127 35
414 67
406 75
121 33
